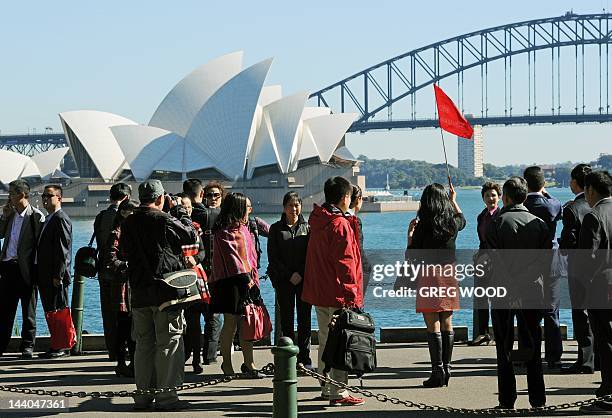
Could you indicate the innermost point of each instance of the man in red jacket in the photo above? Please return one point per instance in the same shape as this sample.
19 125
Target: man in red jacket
333 276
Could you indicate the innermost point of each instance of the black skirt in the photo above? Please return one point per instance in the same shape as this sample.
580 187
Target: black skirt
229 295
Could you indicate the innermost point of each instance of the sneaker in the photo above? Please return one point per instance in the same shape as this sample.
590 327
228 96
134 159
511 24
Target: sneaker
27 354
53 354
347 401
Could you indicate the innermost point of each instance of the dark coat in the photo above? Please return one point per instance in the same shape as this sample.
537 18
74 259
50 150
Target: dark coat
206 218
103 224
547 208
152 240
573 214
54 250
483 220
521 269
287 250
596 236
26 247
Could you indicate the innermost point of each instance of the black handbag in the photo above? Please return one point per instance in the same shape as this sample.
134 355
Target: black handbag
351 345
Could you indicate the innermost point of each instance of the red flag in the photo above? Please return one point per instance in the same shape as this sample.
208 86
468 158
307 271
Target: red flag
451 119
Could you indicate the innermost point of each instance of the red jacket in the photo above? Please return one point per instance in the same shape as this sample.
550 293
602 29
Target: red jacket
333 275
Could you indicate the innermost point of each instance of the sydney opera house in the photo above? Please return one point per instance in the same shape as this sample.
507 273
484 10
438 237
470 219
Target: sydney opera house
219 122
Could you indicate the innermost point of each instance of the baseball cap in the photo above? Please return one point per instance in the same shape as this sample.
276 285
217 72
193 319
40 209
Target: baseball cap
150 189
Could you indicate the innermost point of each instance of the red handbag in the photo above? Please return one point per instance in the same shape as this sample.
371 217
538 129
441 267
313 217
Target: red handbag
255 324
61 328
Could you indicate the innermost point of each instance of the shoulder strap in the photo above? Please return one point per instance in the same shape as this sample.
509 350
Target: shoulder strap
91 240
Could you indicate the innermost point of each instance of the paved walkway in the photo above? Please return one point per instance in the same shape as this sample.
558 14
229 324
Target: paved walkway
401 369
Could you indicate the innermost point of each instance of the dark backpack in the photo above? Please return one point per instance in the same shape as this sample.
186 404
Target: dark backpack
351 345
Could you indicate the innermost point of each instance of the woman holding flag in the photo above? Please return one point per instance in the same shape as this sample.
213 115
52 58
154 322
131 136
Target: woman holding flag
431 240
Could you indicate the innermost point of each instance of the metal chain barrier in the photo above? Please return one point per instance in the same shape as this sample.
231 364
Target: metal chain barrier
267 370
381 397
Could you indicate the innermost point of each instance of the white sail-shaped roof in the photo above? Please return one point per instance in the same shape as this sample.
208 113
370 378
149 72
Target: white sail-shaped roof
178 109
313 112
346 154
263 151
13 165
327 132
92 129
268 94
284 115
306 147
49 161
222 127
144 147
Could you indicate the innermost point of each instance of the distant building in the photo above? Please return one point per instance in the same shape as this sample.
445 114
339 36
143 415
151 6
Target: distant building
471 153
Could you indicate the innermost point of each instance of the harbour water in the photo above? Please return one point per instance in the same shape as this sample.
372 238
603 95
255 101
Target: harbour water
381 231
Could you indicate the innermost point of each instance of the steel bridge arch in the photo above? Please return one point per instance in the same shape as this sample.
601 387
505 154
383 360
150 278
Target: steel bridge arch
471 50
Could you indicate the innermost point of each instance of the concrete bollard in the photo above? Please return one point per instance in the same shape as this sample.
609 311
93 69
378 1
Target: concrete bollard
78 296
285 379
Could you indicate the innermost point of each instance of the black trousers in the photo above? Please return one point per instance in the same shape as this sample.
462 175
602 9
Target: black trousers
13 290
53 298
503 329
582 327
212 333
124 337
481 321
553 340
289 297
193 333
108 308
480 315
601 323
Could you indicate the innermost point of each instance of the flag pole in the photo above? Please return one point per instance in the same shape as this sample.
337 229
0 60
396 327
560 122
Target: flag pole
445 157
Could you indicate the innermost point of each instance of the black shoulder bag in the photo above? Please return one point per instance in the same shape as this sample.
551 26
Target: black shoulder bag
86 260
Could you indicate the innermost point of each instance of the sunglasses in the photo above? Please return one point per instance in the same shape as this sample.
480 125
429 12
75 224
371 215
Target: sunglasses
213 195
48 195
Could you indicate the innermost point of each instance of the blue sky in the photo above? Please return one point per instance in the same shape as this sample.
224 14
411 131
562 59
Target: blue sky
124 56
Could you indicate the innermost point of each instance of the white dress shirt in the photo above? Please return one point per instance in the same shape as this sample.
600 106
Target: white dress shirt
13 242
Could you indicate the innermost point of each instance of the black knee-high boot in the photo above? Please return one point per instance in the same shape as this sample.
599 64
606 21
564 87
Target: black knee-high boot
448 341
437 379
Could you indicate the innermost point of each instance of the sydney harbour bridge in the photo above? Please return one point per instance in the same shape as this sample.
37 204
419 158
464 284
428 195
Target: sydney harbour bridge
543 71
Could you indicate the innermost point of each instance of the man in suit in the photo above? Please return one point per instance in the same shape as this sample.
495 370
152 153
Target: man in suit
549 209
573 213
53 257
19 227
521 273
595 238
108 303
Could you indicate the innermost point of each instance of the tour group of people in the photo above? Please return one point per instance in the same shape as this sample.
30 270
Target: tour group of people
320 263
